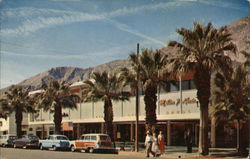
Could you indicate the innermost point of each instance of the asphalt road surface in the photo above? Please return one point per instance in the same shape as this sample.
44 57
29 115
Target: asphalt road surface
11 153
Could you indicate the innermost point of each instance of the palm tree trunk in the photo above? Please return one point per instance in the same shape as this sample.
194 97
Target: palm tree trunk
58 119
19 119
150 100
202 81
243 139
108 118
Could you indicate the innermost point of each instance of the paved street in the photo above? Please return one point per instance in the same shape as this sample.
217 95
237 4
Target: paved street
172 152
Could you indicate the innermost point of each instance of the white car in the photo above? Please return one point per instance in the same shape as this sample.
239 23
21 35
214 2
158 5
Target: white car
93 143
55 142
7 140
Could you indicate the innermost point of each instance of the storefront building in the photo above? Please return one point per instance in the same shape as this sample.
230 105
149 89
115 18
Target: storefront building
176 110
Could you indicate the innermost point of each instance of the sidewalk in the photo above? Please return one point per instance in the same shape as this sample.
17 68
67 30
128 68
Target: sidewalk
180 152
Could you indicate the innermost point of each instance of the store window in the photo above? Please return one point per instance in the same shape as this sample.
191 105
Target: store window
174 87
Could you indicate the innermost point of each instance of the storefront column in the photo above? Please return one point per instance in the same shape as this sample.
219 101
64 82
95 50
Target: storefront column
196 137
102 128
132 132
213 132
48 129
43 131
169 133
114 131
78 130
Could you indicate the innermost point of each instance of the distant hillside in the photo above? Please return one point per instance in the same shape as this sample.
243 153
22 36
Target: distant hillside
69 74
240 36
241 33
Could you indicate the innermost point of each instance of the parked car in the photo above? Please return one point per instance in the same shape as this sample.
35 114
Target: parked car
93 143
55 142
7 140
27 141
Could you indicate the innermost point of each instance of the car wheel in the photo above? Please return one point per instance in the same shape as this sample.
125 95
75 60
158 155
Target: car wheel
54 148
3 145
41 147
72 148
91 150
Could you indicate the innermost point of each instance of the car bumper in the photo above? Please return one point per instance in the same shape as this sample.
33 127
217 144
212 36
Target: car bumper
32 145
107 150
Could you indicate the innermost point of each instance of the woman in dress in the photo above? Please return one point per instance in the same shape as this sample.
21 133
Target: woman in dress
161 142
149 144
155 147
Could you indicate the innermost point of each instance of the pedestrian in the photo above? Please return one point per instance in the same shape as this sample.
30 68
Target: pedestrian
155 145
188 139
148 144
161 142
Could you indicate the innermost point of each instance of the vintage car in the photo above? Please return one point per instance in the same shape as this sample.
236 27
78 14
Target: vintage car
93 143
27 141
55 142
7 140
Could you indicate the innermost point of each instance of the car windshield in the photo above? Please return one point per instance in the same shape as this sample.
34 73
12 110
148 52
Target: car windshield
61 138
104 138
12 137
33 137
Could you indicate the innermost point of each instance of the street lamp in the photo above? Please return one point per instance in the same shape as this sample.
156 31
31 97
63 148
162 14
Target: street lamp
137 103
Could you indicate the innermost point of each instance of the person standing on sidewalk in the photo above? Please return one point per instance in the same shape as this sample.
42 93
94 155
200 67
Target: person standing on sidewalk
161 142
188 139
155 145
148 144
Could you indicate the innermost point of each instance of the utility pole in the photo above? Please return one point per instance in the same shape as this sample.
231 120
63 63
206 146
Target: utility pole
180 88
137 103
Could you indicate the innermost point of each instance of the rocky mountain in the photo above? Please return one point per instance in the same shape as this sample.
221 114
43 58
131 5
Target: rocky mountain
240 36
69 74
241 33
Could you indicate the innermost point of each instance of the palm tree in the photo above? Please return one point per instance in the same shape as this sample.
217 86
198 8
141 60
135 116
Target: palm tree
151 68
3 108
18 101
230 98
203 50
54 98
105 87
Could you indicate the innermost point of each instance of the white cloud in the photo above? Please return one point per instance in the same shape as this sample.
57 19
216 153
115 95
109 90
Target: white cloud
52 56
66 0
134 32
27 12
66 17
61 17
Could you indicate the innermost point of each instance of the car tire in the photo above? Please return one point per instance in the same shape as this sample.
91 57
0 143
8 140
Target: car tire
41 147
72 148
90 150
3 145
54 148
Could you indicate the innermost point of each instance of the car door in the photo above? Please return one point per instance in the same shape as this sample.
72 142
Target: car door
20 141
79 142
46 143
86 142
51 141
25 140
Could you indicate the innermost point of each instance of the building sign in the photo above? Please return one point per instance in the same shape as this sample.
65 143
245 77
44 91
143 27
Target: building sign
188 100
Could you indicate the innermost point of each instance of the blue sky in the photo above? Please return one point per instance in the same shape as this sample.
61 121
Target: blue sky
38 35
